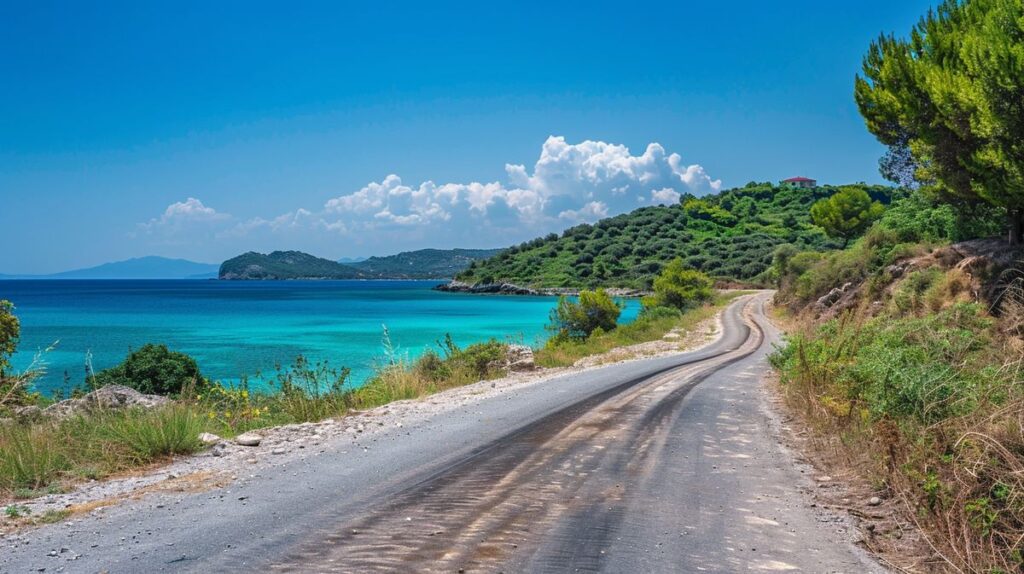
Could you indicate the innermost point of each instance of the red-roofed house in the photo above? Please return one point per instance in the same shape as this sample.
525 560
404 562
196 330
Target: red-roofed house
804 182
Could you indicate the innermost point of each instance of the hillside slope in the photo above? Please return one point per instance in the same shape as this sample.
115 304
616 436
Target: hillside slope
731 235
423 263
285 265
904 356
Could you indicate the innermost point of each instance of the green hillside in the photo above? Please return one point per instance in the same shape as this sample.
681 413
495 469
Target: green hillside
423 263
285 265
730 235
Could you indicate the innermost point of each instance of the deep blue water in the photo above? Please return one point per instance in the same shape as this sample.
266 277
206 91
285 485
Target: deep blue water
241 328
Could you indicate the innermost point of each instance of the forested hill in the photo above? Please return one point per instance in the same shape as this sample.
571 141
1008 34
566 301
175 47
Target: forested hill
285 265
423 263
730 235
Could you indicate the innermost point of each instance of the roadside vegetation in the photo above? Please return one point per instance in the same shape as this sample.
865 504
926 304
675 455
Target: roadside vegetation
906 348
588 325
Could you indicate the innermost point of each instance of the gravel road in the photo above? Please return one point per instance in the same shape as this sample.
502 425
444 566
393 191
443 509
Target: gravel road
670 464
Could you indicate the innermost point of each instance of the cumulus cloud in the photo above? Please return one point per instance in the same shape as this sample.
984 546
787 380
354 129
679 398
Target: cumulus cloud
181 216
665 196
574 182
587 214
568 182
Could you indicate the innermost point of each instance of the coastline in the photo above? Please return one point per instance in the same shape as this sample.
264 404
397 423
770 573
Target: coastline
353 432
455 286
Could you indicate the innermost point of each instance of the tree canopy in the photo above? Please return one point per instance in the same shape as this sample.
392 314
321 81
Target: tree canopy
952 97
729 235
578 319
10 331
679 287
847 214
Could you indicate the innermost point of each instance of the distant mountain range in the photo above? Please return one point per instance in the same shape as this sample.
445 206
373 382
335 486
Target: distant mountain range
421 264
151 267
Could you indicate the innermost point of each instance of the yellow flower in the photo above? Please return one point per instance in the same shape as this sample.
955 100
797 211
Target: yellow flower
227 414
211 415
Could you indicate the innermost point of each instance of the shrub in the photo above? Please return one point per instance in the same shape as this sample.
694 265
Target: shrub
925 368
479 359
153 369
578 319
847 213
679 287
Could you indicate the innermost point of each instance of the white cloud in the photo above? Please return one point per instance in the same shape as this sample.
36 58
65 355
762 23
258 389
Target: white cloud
567 183
574 182
665 196
183 216
587 214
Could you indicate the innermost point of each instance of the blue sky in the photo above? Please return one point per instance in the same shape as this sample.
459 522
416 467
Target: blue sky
201 130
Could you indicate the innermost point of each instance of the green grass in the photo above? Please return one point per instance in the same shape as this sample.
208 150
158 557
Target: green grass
35 458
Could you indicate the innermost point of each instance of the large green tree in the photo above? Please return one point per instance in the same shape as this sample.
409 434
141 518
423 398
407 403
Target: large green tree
10 330
680 287
578 319
847 213
952 96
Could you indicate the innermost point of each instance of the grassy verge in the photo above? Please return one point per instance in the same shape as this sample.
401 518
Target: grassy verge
925 399
43 456
648 327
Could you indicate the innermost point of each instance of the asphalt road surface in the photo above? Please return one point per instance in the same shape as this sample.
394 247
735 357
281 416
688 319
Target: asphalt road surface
661 465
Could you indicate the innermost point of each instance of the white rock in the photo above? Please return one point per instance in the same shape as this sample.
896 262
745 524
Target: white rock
209 438
875 501
248 439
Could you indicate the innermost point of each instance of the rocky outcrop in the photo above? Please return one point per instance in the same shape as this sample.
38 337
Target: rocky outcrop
109 397
487 288
519 358
833 296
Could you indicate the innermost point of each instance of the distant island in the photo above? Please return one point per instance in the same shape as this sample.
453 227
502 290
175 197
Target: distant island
285 265
420 264
150 267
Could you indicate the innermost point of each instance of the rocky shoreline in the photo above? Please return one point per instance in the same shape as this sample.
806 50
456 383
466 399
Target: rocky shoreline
513 289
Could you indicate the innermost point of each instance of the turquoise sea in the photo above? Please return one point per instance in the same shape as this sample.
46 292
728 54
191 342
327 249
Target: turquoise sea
236 329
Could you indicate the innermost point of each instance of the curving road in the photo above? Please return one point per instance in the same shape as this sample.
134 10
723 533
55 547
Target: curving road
662 465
